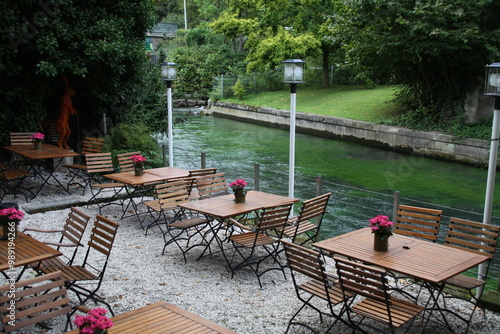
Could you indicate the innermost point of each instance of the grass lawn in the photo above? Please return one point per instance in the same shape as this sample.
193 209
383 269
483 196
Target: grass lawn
354 102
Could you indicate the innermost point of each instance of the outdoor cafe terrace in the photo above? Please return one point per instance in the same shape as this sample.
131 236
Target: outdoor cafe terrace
138 274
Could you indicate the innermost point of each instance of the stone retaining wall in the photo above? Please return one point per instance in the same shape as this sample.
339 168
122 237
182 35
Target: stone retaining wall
430 144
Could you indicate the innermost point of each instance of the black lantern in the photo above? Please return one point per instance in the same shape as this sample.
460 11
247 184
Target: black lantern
169 71
294 71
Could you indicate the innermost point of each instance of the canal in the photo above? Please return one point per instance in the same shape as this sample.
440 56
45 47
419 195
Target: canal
362 179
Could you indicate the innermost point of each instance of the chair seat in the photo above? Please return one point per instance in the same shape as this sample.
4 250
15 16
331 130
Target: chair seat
188 223
304 227
75 166
247 239
53 262
71 273
465 282
12 174
317 288
401 310
108 185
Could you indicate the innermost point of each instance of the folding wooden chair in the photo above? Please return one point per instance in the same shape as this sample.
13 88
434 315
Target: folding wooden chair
202 172
377 304
211 185
11 181
86 279
21 138
311 210
124 162
33 301
71 236
418 222
311 281
90 146
164 210
472 237
256 246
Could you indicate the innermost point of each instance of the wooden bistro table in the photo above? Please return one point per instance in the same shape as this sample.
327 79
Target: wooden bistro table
146 181
47 152
431 263
162 318
26 251
221 208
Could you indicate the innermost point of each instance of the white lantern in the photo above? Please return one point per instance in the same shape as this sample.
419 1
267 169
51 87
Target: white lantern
168 71
294 71
492 80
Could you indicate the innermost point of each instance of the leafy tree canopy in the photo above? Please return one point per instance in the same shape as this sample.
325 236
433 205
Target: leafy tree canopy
98 45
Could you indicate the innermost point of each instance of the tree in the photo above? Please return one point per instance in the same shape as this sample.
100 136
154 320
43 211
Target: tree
278 30
97 45
433 48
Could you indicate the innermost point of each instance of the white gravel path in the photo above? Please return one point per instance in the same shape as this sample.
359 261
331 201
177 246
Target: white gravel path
138 275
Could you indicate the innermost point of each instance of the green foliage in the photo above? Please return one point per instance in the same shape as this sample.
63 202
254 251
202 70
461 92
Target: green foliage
134 137
99 46
239 90
433 48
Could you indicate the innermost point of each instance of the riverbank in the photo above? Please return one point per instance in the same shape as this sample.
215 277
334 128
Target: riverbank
433 145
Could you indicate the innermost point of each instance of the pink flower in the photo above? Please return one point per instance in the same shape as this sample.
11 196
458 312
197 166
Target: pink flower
381 226
11 214
94 320
37 136
138 158
238 185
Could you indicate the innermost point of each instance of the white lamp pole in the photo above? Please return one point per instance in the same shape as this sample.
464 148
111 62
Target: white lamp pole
293 74
491 88
169 74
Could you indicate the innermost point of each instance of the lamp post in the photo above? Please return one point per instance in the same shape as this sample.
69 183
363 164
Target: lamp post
169 74
491 88
293 74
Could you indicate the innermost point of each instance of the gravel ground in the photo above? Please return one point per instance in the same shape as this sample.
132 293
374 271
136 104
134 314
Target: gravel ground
138 274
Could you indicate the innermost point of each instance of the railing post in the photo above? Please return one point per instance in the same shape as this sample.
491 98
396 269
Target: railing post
395 205
319 181
203 160
256 176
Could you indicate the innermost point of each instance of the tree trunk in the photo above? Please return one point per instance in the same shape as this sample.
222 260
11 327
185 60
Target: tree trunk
326 67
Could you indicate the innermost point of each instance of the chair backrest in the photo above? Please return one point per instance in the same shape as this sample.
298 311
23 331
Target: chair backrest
21 138
92 145
362 279
212 185
99 163
418 222
33 300
305 261
202 172
124 161
49 129
472 236
75 226
101 242
313 208
274 218
173 193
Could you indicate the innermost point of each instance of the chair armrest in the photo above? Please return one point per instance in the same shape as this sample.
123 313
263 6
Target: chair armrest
42 231
240 225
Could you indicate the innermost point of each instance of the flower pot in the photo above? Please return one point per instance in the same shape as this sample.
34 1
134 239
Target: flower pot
239 197
38 145
138 170
379 244
9 227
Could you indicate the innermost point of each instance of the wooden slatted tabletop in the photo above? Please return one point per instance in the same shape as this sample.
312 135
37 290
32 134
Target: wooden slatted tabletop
48 152
26 250
150 176
431 262
162 318
224 207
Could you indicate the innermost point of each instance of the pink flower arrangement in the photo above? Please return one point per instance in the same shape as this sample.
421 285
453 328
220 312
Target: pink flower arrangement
381 226
11 215
238 185
138 159
93 322
37 136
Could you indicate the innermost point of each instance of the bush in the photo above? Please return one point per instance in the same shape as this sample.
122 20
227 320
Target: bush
239 90
134 137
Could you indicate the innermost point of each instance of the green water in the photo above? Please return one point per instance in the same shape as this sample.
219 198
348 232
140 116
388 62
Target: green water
362 179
